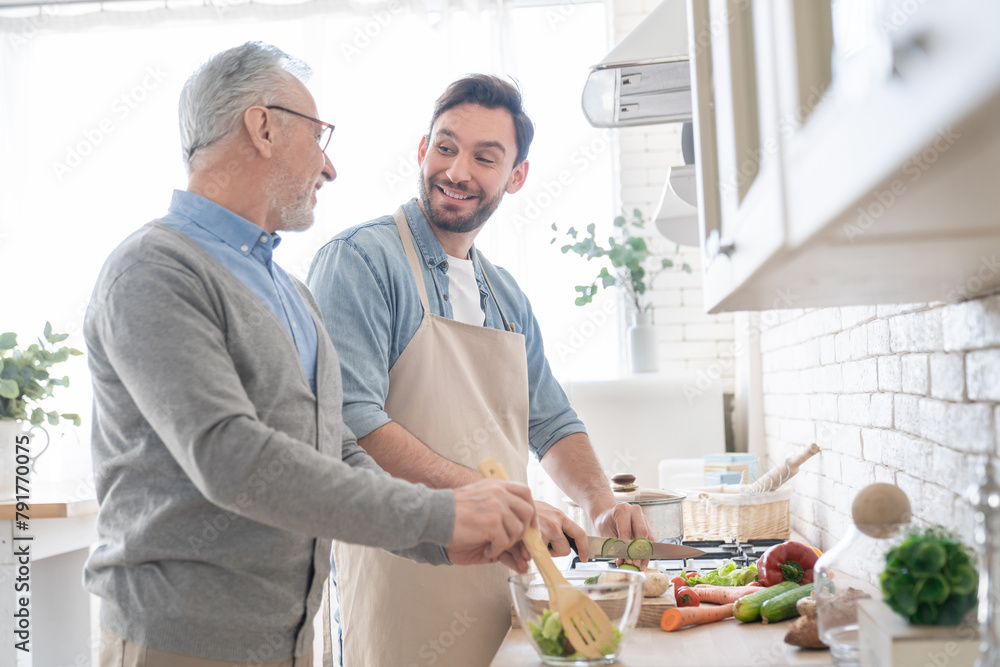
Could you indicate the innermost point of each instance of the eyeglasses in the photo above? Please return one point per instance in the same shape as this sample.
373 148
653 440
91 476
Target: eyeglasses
324 137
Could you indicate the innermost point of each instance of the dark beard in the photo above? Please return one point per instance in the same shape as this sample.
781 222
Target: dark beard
476 220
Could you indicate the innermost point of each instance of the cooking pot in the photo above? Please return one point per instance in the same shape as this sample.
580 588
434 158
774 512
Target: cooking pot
662 508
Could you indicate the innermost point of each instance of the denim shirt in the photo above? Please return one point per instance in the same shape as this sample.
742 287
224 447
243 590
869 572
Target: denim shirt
371 307
246 250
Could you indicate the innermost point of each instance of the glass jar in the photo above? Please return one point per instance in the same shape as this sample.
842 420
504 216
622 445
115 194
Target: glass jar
846 573
985 499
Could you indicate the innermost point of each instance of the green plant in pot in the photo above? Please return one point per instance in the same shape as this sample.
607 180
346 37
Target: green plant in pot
627 261
26 381
629 264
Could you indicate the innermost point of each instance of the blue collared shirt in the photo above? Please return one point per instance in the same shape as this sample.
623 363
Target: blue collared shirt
371 307
245 249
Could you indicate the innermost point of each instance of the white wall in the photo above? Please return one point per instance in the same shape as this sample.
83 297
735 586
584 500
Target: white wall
905 394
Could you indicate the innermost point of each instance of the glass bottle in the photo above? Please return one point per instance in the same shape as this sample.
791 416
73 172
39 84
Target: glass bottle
845 573
985 499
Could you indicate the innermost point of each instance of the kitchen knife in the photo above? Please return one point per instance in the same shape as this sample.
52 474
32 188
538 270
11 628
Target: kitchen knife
619 548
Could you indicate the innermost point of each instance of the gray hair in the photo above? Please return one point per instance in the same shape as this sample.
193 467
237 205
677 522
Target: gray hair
215 97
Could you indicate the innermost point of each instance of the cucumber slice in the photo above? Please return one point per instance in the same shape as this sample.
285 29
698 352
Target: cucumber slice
639 549
628 566
612 547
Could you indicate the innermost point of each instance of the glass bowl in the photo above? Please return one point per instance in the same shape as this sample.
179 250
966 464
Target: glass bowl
620 599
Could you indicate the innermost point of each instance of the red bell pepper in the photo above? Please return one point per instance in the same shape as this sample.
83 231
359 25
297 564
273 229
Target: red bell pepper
788 561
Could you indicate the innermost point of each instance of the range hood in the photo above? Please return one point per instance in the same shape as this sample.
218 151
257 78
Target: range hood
646 79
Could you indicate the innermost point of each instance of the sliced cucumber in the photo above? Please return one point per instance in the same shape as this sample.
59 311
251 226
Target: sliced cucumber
628 566
612 547
640 548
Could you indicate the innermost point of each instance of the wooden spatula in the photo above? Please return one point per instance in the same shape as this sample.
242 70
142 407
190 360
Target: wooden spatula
586 625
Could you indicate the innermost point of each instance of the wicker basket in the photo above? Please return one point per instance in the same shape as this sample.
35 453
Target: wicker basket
710 513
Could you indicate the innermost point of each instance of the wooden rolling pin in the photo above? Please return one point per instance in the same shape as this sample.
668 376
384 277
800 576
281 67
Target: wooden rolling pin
778 475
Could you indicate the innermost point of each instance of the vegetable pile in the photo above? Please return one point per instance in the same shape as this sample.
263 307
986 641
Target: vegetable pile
729 574
930 578
551 638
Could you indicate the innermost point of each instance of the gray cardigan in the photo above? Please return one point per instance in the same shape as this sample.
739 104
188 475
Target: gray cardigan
221 477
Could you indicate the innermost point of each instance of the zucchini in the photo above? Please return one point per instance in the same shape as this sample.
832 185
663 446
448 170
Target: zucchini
747 609
639 548
611 547
783 607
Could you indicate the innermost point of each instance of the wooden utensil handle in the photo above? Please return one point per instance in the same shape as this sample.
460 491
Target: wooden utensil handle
492 469
778 475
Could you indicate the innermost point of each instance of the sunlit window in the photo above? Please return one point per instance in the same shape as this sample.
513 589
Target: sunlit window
88 131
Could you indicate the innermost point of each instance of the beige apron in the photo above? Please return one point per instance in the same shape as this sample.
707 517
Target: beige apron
463 391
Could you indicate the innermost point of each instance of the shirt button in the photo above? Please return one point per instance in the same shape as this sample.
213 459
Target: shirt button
263 239
430 262
444 264
244 247
295 325
445 297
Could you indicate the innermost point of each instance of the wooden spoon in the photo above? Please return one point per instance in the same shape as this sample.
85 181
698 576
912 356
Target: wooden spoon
586 625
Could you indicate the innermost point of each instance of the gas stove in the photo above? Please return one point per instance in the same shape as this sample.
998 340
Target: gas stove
717 553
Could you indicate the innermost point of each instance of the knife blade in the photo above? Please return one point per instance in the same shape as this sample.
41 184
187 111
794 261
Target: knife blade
619 549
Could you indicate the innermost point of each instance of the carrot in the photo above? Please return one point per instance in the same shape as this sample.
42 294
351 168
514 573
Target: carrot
679 617
723 594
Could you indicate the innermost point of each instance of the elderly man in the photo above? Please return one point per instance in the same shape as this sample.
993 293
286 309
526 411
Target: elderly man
443 366
223 466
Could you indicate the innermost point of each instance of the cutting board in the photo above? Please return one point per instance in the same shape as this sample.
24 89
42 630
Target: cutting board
649 613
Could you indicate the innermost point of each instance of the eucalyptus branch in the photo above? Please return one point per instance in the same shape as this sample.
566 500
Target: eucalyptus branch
24 377
632 266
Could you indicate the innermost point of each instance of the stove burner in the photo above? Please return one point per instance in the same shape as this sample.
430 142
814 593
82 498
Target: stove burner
717 553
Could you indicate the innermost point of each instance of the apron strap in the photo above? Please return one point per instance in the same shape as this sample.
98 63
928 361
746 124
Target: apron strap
411 255
506 325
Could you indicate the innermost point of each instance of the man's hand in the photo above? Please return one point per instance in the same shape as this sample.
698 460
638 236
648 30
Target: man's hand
490 519
626 522
554 526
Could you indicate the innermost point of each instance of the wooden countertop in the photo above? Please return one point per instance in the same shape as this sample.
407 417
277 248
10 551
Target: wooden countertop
727 643
53 500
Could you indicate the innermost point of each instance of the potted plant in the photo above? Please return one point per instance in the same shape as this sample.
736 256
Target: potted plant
25 381
25 377
628 264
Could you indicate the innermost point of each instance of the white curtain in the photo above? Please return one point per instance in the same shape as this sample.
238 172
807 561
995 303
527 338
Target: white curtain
88 135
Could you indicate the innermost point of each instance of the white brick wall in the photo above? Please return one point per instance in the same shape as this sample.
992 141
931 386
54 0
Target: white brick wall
906 394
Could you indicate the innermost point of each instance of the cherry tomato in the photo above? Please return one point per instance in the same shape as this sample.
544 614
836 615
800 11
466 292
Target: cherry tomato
687 597
679 581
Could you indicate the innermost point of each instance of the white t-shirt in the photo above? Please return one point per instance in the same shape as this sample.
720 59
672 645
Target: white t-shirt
464 292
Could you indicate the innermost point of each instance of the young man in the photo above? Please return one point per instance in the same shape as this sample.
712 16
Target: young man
443 366
222 464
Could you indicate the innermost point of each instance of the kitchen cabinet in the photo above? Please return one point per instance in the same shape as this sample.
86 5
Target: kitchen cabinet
832 173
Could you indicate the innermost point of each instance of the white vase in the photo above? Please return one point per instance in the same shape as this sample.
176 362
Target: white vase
33 440
642 343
